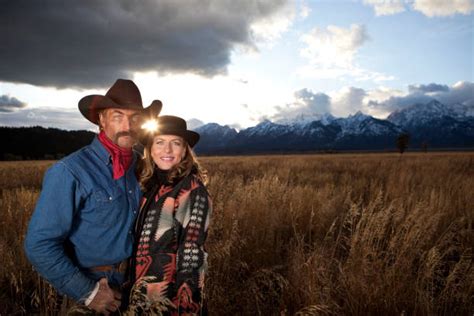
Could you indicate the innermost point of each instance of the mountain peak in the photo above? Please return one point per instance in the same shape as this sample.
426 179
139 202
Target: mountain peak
359 114
357 117
214 127
419 113
302 119
194 123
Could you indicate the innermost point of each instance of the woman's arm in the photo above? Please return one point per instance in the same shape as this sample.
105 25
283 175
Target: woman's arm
191 254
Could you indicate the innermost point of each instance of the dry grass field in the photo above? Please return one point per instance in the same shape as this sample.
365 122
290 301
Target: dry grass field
345 234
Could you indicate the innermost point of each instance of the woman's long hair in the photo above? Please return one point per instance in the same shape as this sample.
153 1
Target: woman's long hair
147 167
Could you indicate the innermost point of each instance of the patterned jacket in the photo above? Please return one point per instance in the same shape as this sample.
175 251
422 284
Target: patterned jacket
170 255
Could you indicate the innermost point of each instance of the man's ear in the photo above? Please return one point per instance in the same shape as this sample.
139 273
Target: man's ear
101 118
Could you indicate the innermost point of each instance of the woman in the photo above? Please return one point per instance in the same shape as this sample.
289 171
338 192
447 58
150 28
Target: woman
169 260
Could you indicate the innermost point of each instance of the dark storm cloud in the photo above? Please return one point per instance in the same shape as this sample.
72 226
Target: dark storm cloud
397 103
10 104
316 102
91 43
427 88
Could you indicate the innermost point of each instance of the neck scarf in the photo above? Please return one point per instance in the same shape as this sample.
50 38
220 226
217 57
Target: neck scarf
121 157
162 176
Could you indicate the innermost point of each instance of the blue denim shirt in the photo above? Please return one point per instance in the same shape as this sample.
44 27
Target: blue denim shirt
83 218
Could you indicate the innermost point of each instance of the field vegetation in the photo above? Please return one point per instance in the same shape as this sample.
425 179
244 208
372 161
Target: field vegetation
341 234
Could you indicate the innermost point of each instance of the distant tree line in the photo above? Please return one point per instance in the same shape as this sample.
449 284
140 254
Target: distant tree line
39 143
35 143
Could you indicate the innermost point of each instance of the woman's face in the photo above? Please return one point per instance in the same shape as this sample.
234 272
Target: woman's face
167 151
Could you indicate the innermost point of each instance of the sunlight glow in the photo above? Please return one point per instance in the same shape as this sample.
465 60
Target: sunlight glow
150 126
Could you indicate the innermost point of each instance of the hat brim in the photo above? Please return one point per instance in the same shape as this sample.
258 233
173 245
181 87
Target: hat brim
91 105
190 137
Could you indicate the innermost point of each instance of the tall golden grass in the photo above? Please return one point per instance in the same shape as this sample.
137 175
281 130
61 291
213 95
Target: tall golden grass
347 234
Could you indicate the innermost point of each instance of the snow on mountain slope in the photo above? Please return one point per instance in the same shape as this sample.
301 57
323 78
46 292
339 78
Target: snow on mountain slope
420 114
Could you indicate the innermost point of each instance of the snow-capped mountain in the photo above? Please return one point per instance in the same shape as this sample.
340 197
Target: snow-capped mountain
432 123
360 123
193 123
436 123
216 129
215 137
266 128
420 113
463 111
304 119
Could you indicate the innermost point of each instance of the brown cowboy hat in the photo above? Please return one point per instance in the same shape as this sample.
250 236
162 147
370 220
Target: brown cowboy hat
169 125
124 94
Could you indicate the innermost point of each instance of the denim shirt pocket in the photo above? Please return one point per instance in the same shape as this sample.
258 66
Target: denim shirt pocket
107 206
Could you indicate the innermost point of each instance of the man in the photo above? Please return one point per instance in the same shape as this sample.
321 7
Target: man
81 228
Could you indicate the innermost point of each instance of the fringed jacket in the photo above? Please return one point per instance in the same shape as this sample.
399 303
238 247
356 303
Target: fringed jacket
170 260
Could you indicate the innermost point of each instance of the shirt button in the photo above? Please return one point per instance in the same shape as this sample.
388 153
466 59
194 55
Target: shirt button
110 198
130 191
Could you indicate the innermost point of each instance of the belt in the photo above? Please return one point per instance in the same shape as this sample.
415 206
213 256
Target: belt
119 267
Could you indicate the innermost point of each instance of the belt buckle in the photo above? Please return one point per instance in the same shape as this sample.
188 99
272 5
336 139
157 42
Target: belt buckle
122 266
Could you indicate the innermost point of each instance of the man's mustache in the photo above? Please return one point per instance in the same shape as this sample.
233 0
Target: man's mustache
129 133
121 134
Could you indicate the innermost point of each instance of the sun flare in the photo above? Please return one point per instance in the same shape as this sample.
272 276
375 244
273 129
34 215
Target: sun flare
150 125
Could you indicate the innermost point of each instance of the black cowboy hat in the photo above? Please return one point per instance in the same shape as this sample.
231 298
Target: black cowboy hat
124 94
169 125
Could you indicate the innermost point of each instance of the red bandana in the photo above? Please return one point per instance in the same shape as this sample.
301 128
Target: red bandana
121 157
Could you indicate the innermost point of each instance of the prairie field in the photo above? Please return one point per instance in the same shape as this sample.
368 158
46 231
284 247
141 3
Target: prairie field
328 234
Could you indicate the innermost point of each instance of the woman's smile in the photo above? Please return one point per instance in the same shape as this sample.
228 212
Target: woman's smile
167 151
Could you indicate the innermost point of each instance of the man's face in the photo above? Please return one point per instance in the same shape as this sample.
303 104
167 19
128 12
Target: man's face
120 125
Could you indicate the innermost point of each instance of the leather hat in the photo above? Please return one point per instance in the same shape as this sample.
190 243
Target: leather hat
124 94
169 125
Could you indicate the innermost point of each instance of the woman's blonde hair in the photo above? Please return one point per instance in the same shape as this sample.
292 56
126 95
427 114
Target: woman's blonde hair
147 167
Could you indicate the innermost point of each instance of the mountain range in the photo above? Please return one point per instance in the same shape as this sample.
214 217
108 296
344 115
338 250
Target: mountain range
432 124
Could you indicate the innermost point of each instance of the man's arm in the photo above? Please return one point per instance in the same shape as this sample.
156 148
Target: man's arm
49 227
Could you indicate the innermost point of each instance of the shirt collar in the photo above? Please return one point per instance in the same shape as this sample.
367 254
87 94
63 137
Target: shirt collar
100 151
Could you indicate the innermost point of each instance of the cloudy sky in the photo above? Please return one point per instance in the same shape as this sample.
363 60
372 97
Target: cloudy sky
234 62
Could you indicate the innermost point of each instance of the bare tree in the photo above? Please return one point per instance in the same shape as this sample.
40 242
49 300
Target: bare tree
402 142
424 146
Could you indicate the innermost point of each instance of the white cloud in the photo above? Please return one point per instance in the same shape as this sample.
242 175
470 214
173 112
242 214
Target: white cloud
333 47
348 101
331 54
380 102
305 10
430 8
219 99
386 7
361 74
271 27
306 104
434 8
378 96
47 117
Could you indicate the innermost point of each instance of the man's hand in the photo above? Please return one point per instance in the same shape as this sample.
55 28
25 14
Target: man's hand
106 300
